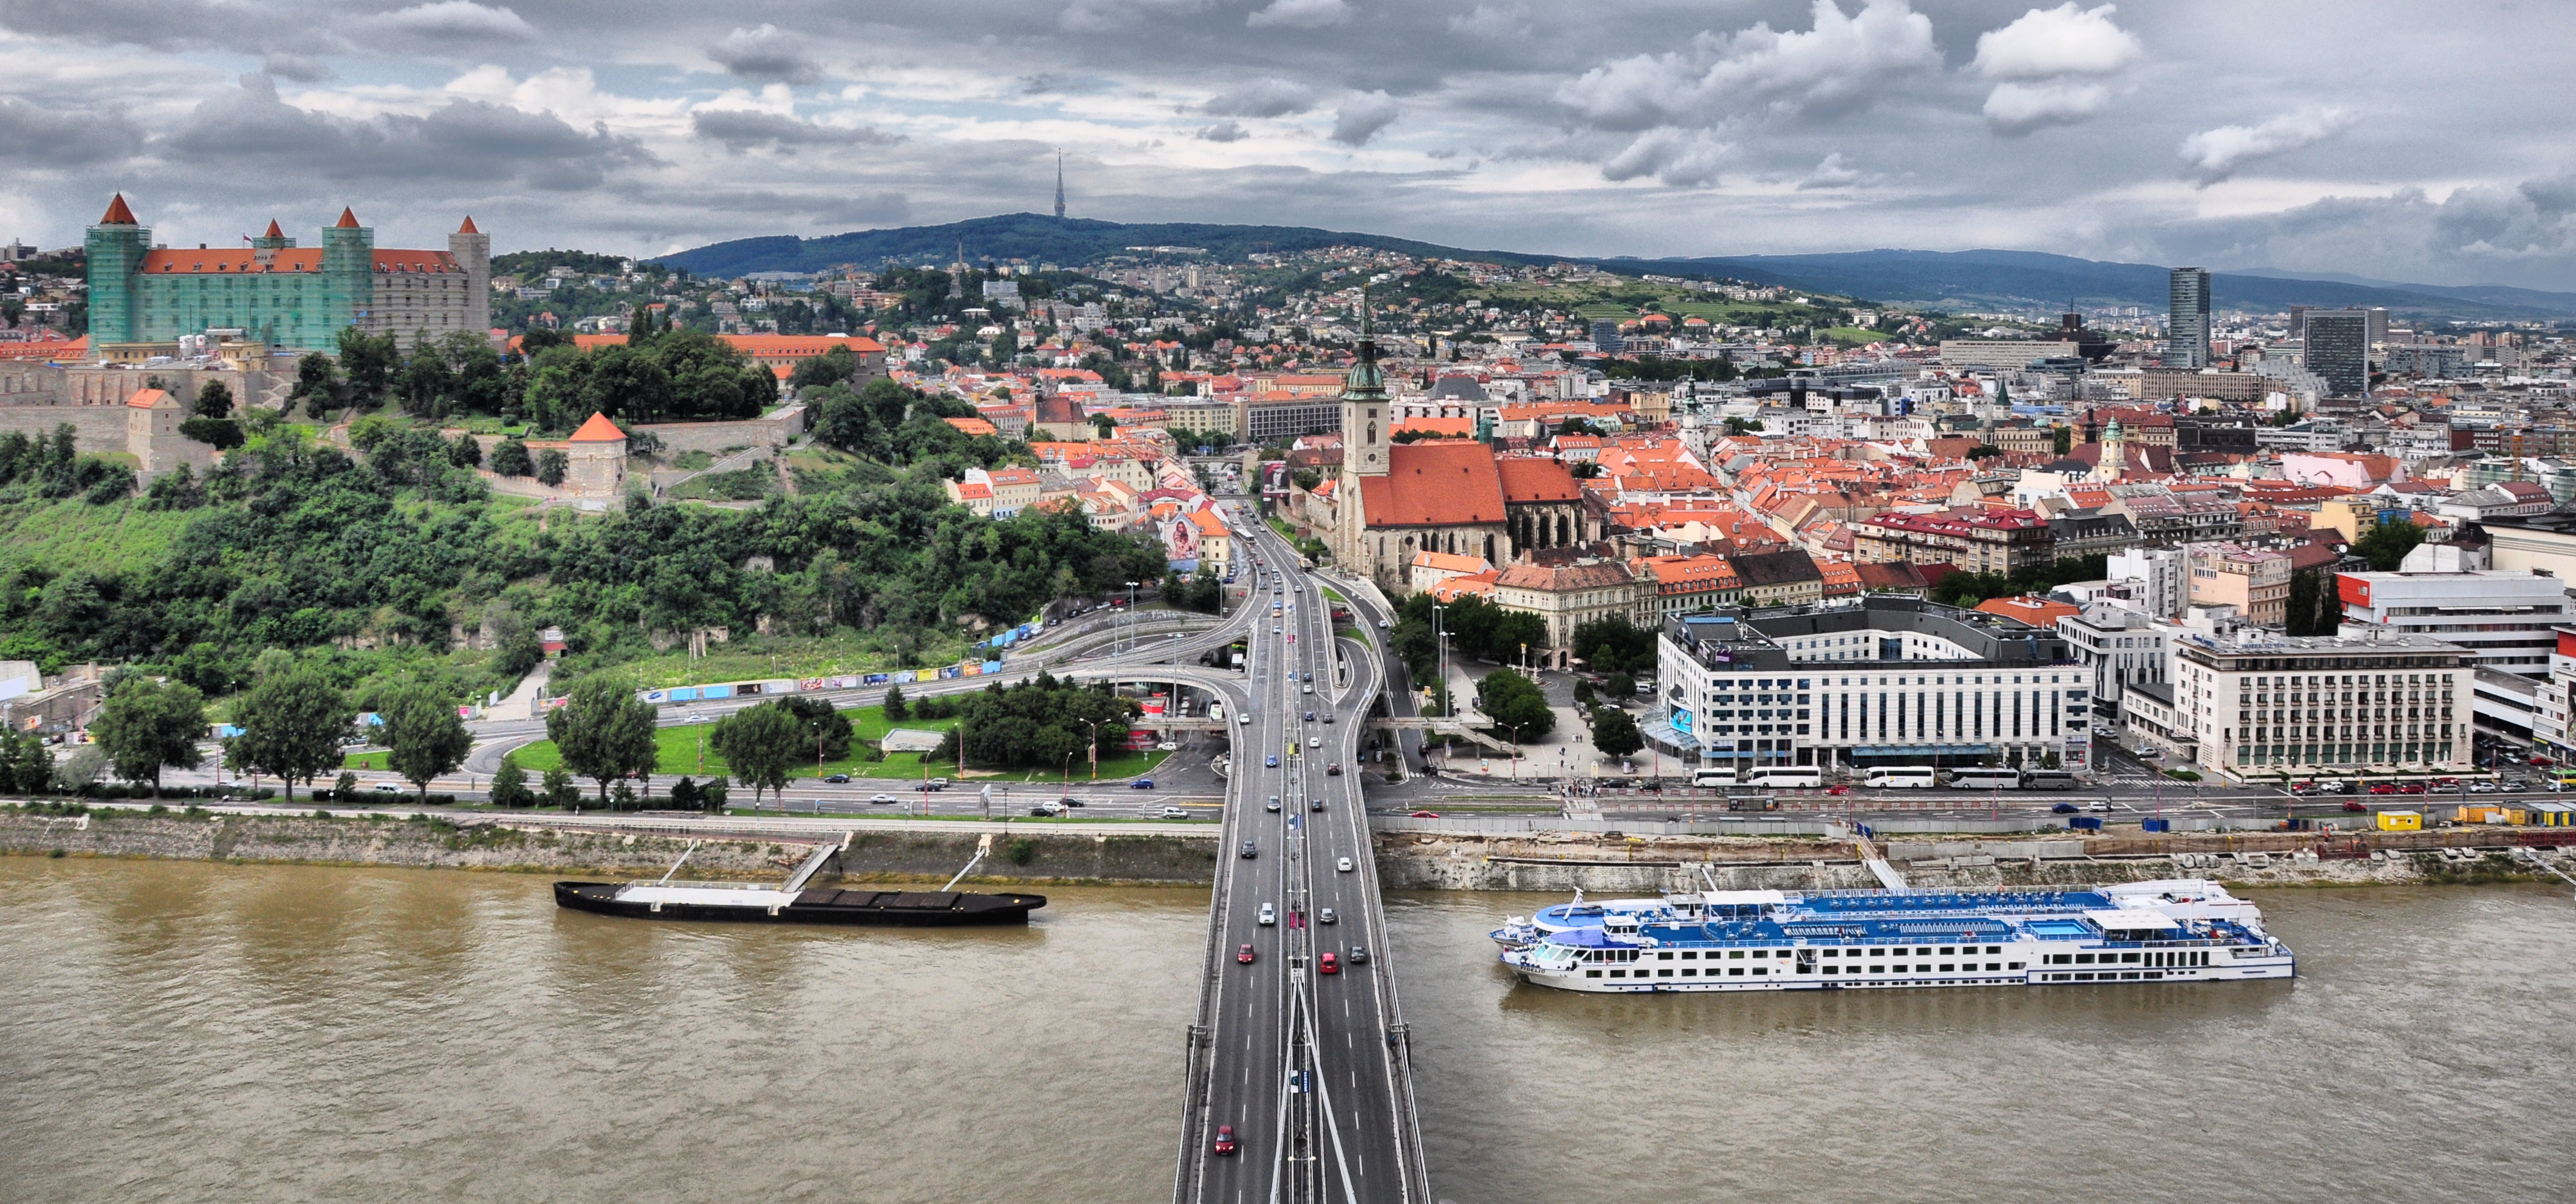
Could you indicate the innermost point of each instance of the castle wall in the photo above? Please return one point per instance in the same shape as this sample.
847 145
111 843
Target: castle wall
98 430
769 430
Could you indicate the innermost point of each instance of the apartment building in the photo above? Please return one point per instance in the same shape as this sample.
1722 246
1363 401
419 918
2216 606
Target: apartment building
2260 703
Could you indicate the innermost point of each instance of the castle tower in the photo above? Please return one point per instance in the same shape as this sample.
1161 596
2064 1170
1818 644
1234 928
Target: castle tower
274 240
1366 437
2115 453
348 273
115 247
473 251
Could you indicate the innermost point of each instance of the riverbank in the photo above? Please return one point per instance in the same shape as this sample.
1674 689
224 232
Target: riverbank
434 843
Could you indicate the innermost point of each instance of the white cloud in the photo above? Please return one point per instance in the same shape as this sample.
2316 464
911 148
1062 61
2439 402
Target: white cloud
1487 21
1264 97
2064 40
1092 16
1300 14
1839 65
1362 116
1832 172
2214 155
2021 108
459 21
1689 158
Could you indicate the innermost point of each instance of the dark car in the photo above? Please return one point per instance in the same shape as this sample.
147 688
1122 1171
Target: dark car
1359 955
1069 801
1244 955
1225 1139
1141 784
1316 805
838 779
2064 809
1250 850
1310 716
1333 770
1328 716
1273 762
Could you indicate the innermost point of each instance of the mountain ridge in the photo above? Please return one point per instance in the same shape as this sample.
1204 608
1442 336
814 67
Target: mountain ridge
1953 279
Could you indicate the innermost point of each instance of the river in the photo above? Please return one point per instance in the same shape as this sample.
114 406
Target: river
188 1031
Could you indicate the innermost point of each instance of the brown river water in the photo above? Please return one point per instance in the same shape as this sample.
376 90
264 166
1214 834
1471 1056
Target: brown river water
187 1031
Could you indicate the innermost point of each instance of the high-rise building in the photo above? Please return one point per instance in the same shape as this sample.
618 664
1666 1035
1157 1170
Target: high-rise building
2338 349
2187 320
1605 336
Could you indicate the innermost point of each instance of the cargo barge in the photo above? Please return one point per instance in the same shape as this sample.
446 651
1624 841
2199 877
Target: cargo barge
793 903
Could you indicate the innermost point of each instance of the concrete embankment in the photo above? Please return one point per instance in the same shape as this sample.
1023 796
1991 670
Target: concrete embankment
1559 863
605 853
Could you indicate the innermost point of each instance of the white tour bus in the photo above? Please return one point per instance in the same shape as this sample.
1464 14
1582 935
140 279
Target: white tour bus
1986 777
1900 777
1792 777
1712 777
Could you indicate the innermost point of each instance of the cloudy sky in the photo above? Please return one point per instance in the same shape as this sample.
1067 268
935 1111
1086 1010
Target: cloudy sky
2408 142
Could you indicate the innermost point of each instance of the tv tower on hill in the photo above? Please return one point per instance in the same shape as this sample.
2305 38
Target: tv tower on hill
1059 185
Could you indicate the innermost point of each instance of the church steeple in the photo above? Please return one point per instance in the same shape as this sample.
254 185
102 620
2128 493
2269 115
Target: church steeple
1364 413
1059 186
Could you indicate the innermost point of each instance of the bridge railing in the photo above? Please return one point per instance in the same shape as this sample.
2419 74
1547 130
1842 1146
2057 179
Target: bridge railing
1399 1050
1200 1080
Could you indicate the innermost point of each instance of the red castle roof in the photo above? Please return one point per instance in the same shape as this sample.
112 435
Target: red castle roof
118 214
598 430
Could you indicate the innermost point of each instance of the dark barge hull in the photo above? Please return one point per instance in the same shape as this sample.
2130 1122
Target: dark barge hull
905 909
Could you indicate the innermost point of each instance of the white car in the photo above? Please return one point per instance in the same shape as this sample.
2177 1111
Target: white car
1167 746
1344 865
1268 916
1175 813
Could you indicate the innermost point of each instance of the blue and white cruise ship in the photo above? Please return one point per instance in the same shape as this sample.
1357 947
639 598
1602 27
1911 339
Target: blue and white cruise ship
2175 930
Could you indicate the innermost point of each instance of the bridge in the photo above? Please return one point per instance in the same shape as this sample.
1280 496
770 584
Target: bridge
1307 1066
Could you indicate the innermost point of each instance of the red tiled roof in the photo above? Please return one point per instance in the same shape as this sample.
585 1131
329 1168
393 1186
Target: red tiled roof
1530 479
145 399
1435 483
118 214
598 430
348 220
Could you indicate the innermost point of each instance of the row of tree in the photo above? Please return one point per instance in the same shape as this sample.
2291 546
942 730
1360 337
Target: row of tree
293 725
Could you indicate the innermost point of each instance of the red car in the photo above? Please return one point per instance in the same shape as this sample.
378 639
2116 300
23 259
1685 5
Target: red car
1224 1139
1426 815
2354 804
2540 760
1837 791
1244 955
1330 965
2411 788
2383 788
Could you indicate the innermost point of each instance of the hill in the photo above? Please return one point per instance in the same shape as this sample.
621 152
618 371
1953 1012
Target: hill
2018 278
1039 238
1950 279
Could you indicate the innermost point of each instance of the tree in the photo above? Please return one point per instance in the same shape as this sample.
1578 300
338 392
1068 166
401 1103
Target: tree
292 724
426 736
510 458
604 732
466 452
1619 686
1738 426
317 384
369 361
2386 544
1615 733
26 764
345 787
559 790
214 400
551 467
760 745
896 708
1608 645
510 785
1516 706
2061 439
827 730
144 726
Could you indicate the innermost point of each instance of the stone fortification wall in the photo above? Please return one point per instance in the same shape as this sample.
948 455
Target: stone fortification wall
769 430
99 429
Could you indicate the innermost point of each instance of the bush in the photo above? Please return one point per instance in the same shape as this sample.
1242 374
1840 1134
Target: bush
440 800
1021 851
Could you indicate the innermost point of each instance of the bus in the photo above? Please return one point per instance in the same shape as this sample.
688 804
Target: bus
1900 777
1985 777
1785 776
2047 779
1712 777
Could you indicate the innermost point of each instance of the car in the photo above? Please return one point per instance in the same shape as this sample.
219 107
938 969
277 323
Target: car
1243 717
838 779
2411 788
1268 916
1174 813
1069 801
1424 815
1274 629
2356 806
1326 916
2484 787
1272 762
385 788
1043 810
1310 676
882 798
1328 716
1250 850
1310 716
2383 788
1141 784
1243 955
1333 770
1837 791
1328 965
1168 746
1306 689
1225 1133
1272 805
2063 809
1314 741
1359 955
1343 866
938 783
1381 624
2540 760
2098 805
1315 805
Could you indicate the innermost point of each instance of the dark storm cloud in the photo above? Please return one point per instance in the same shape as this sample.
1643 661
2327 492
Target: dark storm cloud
462 140
39 137
744 129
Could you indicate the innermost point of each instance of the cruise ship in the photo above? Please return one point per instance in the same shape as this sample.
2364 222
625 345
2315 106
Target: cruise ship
2174 930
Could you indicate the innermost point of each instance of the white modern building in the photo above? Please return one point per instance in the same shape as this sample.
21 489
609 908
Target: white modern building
2509 619
2259 704
2163 574
1876 680
2121 646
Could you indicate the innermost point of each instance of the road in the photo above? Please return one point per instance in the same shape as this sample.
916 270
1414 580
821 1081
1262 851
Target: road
1299 1063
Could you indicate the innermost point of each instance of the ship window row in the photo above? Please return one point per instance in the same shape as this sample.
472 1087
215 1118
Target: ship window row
2164 957
1764 971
